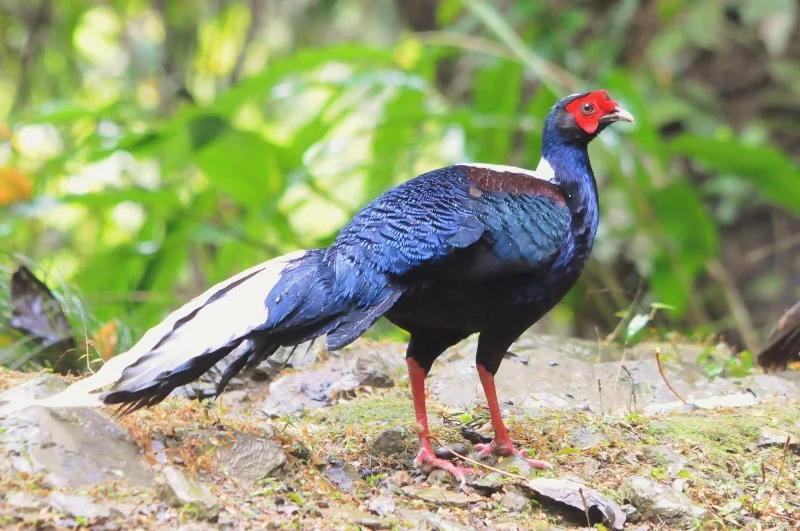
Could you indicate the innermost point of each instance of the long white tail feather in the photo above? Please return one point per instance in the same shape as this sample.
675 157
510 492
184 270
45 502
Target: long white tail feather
214 325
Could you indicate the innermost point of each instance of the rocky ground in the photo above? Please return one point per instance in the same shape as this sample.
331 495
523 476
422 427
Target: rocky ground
326 443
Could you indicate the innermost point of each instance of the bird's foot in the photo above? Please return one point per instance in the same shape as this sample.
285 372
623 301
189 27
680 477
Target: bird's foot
506 450
428 462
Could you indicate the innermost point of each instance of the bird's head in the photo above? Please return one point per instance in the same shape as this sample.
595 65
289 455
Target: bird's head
580 117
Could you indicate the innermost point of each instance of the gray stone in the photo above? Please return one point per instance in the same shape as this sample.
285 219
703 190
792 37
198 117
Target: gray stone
77 506
123 509
180 491
72 447
536 401
438 496
23 500
440 478
773 437
514 501
515 464
631 512
341 374
673 461
583 439
250 458
656 501
460 448
345 477
579 497
486 485
381 505
429 520
763 386
393 442
714 402
301 357
399 479
574 380
367 372
357 517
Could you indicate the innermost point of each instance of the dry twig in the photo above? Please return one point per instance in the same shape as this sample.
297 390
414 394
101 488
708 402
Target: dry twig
664 376
478 463
780 470
585 508
715 513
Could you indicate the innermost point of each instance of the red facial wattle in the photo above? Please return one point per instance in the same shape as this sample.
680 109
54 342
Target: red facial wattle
589 109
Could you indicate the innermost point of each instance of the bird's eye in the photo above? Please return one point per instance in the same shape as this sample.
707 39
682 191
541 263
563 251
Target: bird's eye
587 108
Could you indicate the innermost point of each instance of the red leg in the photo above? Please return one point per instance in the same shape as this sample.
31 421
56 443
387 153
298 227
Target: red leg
501 444
426 460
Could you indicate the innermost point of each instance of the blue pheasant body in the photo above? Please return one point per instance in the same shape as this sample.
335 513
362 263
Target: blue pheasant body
464 249
467 247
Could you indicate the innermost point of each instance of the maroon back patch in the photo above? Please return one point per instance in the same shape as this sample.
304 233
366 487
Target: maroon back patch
490 180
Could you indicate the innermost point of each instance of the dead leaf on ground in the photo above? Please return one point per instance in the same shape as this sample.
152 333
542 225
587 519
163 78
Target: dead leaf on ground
37 314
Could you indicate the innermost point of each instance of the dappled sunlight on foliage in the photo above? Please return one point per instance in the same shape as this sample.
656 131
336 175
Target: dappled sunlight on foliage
148 150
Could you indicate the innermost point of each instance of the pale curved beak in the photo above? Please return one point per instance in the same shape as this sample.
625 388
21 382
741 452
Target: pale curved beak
621 115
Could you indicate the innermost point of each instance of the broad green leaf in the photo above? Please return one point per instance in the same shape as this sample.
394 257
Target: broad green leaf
637 324
244 165
447 11
205 129
685 220
394 140
300 63
488 14
767 168
669 285
661 306
160 199
497 90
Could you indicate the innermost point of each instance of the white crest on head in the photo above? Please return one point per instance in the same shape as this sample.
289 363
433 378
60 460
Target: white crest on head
543 171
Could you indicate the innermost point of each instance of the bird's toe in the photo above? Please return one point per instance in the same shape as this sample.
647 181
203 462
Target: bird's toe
428 462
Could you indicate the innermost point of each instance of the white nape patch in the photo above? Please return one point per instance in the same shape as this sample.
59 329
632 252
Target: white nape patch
213 326
543 171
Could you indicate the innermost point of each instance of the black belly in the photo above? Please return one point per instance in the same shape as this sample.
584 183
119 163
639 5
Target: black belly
475 306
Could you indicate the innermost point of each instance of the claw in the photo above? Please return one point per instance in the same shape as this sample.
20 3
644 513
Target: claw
427 462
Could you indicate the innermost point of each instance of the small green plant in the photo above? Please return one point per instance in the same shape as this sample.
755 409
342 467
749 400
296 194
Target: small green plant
719 362
375 478
635 419
270 486
296 498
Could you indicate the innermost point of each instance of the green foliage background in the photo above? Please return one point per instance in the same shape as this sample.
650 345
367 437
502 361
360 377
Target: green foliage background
172 144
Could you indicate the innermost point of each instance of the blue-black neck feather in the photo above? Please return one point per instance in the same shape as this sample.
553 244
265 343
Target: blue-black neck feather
565 148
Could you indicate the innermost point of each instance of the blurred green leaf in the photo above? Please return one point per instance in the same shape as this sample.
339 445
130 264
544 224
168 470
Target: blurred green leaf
769 170
205 129
498 88
243 164
685 220
637 324
661 306
447 11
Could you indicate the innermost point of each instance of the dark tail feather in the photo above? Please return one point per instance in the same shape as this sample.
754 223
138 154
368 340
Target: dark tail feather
783 349
285 301
252 356
153 394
